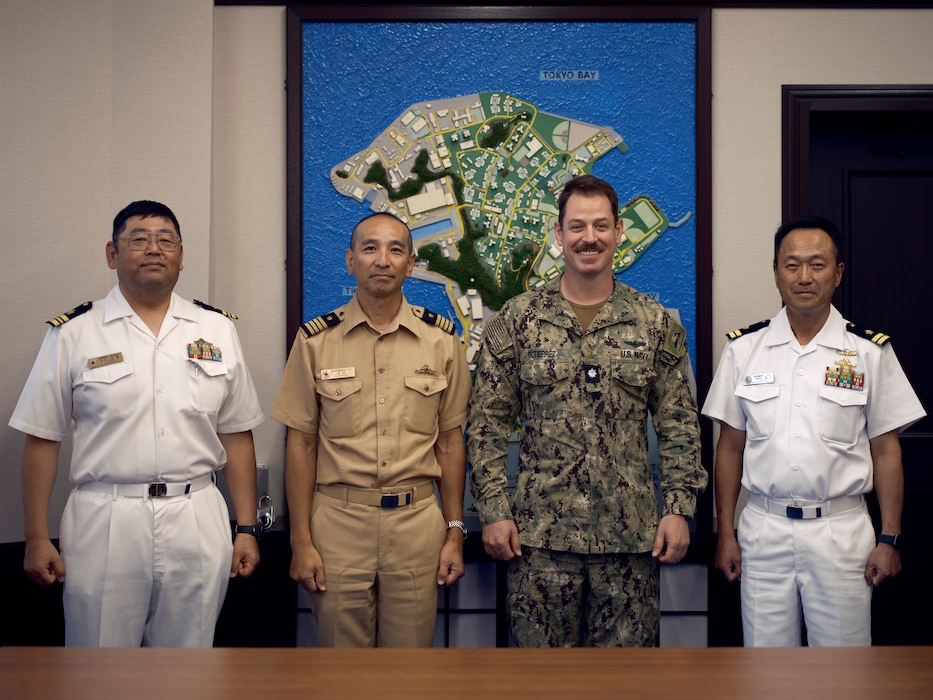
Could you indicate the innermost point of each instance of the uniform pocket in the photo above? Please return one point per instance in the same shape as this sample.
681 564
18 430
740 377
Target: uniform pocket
422 402
208 380
110 389
341 407
842 414
760 406
546 384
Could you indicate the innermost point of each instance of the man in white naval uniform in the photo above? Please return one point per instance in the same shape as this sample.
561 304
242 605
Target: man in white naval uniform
809 407
157 393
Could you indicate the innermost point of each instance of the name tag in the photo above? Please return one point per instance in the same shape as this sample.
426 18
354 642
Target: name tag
767 378
104 360
338 373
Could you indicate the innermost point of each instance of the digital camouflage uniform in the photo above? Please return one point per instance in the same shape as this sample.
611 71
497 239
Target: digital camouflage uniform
583 483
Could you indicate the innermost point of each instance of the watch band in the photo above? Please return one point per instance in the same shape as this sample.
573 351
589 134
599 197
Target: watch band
458 523
255 529
893 540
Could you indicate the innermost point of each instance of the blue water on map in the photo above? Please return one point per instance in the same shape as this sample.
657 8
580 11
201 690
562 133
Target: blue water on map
359 77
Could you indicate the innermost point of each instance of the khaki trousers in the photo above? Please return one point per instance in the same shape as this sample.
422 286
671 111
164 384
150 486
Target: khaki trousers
380 566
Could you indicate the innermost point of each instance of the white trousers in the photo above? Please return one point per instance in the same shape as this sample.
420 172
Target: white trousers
812 570
145 572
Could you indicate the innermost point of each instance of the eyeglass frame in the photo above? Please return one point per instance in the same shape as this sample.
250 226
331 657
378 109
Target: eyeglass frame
150 237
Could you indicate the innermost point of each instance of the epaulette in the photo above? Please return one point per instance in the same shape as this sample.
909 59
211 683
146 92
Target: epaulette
216 310
732 335
68 315
432 319
316 325
877 337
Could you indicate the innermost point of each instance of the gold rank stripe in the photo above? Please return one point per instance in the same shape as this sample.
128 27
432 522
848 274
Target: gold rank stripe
316 325
880 338
68 315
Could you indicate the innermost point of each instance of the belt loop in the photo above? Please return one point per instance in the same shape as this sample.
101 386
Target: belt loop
188 490
114 492
346 497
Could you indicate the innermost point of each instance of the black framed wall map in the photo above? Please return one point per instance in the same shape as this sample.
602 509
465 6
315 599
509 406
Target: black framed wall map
467 132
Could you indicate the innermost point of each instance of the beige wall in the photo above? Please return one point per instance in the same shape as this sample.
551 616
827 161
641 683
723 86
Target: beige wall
108 101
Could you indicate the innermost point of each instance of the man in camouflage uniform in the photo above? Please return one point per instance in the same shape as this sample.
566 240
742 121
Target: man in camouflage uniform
580 363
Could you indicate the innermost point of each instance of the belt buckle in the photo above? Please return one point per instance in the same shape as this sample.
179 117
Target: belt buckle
797 512
392 500
158 489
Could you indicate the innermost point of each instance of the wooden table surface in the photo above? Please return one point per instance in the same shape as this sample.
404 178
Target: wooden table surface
879 673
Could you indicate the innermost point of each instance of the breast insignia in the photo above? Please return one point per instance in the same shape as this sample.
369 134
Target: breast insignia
732 335
877 337
68 315
316 325
216 310
432 319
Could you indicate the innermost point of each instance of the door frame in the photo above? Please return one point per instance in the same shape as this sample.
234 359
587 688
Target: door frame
798 102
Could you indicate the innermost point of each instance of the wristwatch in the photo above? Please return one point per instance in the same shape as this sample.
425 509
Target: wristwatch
255 530
893 540
458 523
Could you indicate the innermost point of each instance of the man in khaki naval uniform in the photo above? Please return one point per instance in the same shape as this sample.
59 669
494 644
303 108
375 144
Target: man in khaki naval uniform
374 396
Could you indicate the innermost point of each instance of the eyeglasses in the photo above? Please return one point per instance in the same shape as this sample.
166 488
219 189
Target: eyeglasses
141 241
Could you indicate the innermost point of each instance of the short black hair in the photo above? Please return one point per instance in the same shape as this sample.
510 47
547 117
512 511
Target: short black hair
810 221
144 208
411 245
587 185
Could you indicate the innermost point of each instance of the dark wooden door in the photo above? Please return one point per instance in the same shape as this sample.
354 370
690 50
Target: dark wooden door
864 159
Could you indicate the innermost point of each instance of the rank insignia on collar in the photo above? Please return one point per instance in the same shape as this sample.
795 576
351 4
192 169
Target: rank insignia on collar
200 349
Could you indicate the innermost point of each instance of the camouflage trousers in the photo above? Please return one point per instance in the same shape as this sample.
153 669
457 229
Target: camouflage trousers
562 599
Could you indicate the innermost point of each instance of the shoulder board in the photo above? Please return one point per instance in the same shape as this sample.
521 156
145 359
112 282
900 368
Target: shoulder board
732 335
877 337
432 319
316 325
215 309
68 315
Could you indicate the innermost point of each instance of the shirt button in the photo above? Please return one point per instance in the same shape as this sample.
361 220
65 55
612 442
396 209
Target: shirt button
426 387
796 435
337 393
798 403
801 372
383 463
383 431
796 467
382 370
382 400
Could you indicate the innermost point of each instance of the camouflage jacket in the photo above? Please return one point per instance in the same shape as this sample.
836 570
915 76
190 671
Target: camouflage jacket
583 481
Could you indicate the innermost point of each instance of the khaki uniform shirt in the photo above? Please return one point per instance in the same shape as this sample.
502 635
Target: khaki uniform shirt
375 400
583 481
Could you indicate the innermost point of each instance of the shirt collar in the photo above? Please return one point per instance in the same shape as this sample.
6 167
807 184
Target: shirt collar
116 306
830 335
404 318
